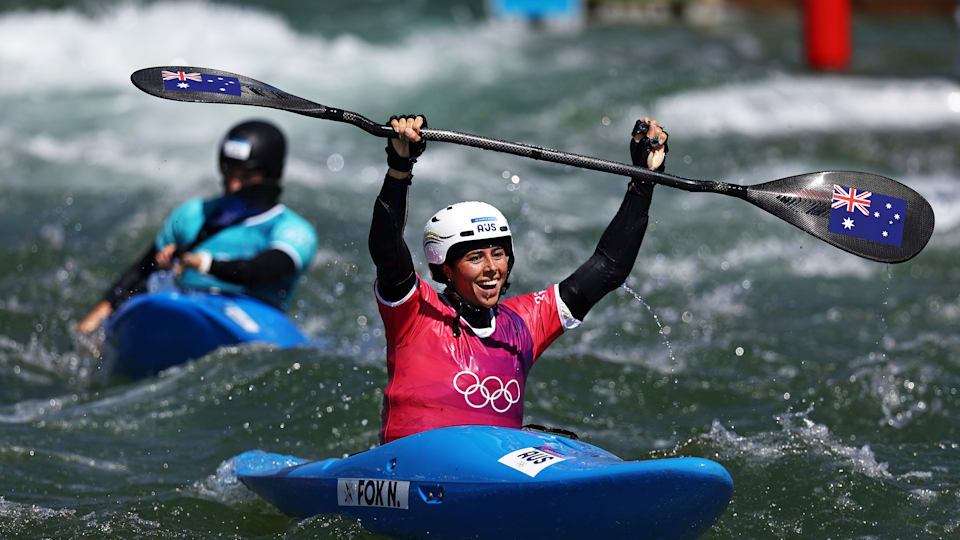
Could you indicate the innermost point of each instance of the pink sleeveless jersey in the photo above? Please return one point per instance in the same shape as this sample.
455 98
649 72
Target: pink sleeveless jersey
436 380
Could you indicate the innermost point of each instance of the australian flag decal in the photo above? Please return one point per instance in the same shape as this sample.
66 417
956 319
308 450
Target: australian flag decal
867 215
200 82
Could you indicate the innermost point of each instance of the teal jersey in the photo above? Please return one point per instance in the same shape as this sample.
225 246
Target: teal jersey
277 228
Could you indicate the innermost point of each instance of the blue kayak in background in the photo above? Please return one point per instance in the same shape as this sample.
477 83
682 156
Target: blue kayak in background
153 331
492 482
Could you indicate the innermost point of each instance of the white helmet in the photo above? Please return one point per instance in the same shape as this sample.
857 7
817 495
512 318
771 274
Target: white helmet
470 222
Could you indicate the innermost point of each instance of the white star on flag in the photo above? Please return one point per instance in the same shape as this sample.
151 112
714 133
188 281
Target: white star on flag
847 223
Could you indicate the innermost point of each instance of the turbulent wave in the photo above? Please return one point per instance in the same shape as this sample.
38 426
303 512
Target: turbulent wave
243 40
793 104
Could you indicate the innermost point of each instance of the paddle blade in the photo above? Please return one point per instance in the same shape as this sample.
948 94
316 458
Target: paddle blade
865 214
206 85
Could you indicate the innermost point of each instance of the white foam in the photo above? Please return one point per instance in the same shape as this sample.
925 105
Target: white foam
819 439
784 104
101 51
816 259
799 435
15 513
925 496
117 129
37 364
738 445
224 486
103 148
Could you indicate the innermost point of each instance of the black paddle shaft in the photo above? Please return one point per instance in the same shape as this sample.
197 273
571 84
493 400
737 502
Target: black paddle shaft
254 92
583 162
805 200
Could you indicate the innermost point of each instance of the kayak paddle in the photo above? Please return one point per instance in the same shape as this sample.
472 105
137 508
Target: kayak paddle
865 214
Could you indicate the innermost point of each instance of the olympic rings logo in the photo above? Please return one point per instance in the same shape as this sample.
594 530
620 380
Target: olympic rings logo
510 392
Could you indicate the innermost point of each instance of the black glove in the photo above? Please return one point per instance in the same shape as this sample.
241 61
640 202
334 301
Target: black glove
396 161
639 151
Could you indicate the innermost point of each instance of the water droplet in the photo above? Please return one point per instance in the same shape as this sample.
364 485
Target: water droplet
666 341
335 162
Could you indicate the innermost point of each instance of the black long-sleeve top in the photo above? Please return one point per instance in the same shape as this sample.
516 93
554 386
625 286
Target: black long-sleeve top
265 267
604 271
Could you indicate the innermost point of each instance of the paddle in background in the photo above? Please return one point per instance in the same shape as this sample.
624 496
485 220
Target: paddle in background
865 214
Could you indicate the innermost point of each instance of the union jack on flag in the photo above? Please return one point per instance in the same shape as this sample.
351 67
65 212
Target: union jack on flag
852 199
181 76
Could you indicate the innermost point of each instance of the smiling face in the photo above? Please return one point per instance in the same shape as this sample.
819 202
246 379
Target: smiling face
479 275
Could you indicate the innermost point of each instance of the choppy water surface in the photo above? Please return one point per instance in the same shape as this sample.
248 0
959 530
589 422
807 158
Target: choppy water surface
826 384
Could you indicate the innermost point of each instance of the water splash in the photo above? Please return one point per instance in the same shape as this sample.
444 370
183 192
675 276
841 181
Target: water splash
224 486
798 436
898 411
884 341
656 319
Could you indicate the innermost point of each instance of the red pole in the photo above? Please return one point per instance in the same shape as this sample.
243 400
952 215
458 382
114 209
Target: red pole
827 33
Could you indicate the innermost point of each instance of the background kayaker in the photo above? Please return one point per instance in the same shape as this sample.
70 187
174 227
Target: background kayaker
244 242
462 356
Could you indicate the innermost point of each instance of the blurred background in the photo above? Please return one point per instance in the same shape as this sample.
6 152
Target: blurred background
826 384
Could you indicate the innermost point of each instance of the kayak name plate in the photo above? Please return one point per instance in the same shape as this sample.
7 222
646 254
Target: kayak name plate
373 492
530 461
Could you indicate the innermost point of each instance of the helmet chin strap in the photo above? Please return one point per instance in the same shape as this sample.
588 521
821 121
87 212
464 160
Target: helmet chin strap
473 314
458 302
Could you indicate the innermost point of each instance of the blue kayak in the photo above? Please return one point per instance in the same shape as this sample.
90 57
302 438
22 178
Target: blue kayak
492 482
153 331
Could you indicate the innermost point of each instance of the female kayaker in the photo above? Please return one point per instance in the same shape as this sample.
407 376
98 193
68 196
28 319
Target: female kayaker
244 242
462 356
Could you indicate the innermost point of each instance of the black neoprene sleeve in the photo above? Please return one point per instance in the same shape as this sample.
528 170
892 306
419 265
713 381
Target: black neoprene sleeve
264 268
613 259
134 280
390 254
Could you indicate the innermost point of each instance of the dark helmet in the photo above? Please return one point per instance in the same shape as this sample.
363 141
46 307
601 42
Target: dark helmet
256 145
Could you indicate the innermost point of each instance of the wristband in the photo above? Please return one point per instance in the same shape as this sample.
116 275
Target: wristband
397 162
206 259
